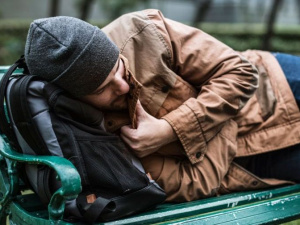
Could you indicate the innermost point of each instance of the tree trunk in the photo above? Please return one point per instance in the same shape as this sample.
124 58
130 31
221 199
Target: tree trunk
85 8
53 8
270 25
202 9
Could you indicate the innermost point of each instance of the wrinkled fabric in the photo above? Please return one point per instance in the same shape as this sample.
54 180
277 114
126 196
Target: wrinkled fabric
222 104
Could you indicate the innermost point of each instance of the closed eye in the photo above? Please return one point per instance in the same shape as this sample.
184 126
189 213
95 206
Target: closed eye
100 91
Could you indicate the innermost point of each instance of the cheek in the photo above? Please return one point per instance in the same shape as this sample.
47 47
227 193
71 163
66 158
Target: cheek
94 100
101 101
104 100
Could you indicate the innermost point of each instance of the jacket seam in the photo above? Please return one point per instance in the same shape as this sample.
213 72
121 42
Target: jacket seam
156 32
203 137
132 35
164 43
180 136
270 128
199 123
160 37
154 93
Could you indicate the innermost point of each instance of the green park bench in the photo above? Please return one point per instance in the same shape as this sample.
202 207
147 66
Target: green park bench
20 206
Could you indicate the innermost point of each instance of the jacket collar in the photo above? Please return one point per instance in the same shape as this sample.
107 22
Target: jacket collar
115 120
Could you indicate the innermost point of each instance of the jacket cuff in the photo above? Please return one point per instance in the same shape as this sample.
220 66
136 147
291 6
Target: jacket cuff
189 131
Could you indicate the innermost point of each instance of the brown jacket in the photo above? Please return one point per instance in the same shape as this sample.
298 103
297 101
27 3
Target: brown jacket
220 105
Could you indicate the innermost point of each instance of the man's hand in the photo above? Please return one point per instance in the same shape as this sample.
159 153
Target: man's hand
150 135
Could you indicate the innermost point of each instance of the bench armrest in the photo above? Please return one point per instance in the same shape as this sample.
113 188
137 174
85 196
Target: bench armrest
67 173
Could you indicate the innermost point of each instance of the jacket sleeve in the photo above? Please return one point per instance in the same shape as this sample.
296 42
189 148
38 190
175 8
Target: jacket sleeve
225 81
183 181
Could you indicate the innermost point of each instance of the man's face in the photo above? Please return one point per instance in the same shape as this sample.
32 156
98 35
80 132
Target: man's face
111 94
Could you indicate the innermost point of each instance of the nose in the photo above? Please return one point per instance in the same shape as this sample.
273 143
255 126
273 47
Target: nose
121 86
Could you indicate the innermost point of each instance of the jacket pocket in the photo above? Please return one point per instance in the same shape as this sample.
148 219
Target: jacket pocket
265 94
262 105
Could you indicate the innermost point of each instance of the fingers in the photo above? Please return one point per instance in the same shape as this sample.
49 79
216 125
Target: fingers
130 136
126 131
127 135
126 140
140 140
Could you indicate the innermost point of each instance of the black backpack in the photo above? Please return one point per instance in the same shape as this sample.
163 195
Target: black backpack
39 118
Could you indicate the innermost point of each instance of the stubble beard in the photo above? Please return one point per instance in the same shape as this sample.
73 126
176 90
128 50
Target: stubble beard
119 104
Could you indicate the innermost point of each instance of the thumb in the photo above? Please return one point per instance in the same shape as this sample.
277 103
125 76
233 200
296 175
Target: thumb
140 112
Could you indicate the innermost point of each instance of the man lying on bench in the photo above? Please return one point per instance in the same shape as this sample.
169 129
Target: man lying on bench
203 119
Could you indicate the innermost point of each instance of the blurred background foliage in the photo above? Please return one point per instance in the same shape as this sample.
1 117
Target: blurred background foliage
268 25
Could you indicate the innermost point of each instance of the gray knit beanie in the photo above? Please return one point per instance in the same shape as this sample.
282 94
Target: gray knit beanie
70 53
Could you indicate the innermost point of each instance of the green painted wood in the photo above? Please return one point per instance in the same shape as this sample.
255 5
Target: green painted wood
66 171
275 211
3 69
224 207
262 211
21 217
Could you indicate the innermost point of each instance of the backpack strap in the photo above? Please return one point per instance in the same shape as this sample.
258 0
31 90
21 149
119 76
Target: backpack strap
92 211
17 102
24 122
5 126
